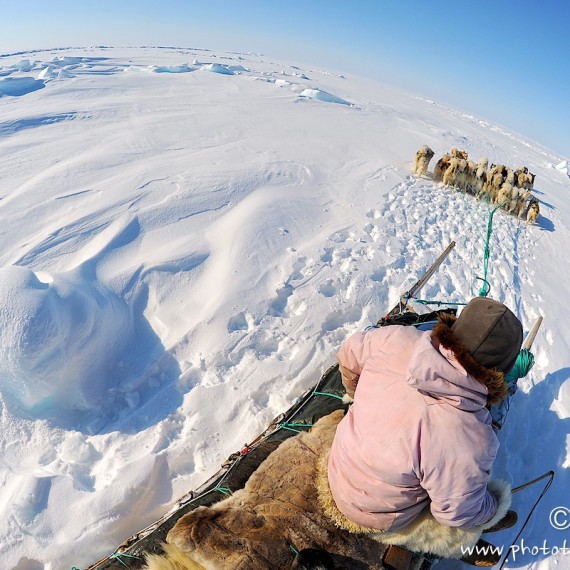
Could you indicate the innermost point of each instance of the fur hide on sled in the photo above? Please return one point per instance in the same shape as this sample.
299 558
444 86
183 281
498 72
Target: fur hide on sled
277 510
287 504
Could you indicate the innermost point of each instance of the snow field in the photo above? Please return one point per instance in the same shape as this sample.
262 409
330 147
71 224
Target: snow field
185 247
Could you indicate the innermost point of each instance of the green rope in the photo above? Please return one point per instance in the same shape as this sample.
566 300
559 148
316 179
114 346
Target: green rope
293 427
523 365
119 555
486 287
327 394
294 549
223 490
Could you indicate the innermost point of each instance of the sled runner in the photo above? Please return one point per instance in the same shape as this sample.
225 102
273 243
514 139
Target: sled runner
320 401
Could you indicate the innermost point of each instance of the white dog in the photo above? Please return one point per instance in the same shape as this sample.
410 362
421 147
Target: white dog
504 195
421 160
481 176
451 173
517 204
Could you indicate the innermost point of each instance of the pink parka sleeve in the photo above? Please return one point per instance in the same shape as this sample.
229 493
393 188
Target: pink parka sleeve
455 474
351 360
354 353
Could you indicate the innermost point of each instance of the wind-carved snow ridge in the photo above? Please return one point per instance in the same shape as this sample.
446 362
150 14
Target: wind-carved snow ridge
67 67
18 86
323 96
11 127
563 167
60 343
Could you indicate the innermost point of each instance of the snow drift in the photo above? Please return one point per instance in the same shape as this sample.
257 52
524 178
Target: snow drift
60 342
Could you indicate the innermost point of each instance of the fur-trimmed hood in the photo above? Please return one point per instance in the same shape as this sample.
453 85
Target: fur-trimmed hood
492 380
439 377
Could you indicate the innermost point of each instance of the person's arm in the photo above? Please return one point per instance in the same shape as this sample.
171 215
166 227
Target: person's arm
356 350
349 380
351 359
473 509
456 475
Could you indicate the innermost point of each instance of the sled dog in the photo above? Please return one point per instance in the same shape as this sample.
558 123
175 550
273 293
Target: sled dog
533 211
421 160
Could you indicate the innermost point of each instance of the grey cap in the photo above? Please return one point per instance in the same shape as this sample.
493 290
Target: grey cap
490 332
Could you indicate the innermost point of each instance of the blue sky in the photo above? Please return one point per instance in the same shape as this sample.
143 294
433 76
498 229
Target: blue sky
507 61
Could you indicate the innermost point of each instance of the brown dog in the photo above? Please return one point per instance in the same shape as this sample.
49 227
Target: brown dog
532 212
456 153
440 167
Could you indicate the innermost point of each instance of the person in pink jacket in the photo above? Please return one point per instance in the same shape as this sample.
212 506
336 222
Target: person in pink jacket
412 458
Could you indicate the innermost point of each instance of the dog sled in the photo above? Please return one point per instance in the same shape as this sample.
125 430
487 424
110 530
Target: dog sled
325 398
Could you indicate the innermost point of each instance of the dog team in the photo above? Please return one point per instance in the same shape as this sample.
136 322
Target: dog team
498 184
